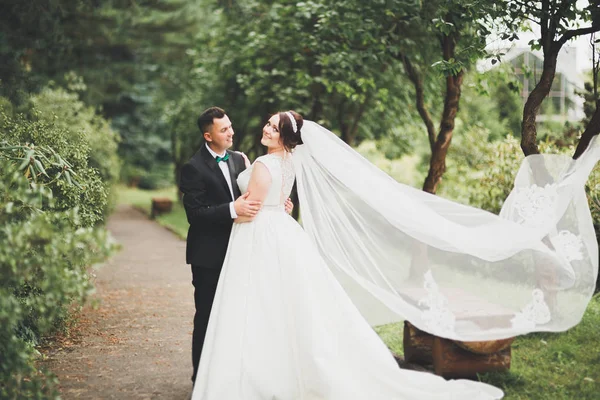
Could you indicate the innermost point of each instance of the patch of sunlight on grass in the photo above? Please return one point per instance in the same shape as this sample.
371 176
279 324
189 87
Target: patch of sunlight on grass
391 334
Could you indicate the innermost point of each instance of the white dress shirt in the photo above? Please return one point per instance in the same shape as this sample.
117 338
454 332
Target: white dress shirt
225 170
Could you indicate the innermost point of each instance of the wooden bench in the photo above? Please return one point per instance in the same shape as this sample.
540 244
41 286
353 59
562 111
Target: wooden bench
454 359
457 359
160 205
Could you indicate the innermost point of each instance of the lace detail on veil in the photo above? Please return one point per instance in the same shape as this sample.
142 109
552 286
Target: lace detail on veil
534 313
374 230
568 245
438 318
535 204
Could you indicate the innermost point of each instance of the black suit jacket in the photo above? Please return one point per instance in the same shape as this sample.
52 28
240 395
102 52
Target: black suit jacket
206 199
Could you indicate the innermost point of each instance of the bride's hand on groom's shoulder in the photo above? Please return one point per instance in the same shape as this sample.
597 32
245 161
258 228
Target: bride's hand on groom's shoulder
246 160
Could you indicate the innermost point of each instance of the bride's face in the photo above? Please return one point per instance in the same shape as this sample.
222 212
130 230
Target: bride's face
270 133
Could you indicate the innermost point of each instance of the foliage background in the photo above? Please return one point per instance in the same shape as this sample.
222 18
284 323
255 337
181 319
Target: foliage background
58 162
113 87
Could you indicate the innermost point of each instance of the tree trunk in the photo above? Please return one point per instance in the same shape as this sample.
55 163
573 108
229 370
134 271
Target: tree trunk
357 117
592 130
417 80
349 128
534 101
316 110
178 166
344 129
593 127
437 164
176 160
549 23
317 89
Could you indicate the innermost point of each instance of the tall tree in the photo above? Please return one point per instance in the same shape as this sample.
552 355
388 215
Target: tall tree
592 102
35 42
326 59
558 22
125 51
453 33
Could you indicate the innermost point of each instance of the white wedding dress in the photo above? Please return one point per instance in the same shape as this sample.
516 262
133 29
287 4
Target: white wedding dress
283 328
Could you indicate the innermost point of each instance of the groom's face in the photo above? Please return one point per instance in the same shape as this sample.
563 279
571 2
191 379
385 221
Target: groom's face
220 134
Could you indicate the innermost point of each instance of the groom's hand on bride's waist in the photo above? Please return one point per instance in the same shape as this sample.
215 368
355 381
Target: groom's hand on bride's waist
246 208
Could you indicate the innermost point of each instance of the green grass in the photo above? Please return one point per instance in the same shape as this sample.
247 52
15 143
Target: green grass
176 221
557 366
142 199
391 334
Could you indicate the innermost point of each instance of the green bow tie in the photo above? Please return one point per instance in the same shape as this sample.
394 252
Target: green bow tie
224 158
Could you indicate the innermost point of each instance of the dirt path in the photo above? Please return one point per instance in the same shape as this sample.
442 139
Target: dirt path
136 343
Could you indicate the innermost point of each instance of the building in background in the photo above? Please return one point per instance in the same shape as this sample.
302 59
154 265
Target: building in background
563 103
573 67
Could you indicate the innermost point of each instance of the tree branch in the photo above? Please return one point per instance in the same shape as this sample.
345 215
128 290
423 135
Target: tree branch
577 32
417 81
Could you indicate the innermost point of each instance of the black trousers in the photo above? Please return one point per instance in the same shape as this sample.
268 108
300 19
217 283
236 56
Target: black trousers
205 285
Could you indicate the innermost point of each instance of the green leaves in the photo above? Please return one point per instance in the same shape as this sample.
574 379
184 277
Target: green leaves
443 26
43 270
32 163
535 44
451 67
49 230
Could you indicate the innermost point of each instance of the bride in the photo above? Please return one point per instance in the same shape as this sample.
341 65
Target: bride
294 307
281 326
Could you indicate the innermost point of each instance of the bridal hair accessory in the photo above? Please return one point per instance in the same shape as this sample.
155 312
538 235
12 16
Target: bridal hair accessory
293 121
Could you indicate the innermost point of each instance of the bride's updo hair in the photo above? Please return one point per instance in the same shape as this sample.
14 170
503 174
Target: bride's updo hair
289 138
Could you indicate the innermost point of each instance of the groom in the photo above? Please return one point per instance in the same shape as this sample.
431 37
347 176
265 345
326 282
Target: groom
212 201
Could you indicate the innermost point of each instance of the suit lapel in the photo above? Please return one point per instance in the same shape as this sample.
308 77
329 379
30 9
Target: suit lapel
233 173
214 167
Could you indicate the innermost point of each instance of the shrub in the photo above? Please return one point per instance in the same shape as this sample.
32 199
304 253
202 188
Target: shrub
64 111
483 172
52 203
157 178
92 200
43 261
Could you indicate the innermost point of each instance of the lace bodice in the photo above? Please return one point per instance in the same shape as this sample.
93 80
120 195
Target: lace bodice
282 178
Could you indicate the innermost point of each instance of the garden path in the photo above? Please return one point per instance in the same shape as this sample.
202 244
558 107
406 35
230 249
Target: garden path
135 343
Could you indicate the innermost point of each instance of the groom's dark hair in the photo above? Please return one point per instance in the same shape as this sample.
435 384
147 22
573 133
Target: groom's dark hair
205 120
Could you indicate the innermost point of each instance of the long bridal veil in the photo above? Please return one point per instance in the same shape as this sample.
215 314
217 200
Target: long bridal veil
452 270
